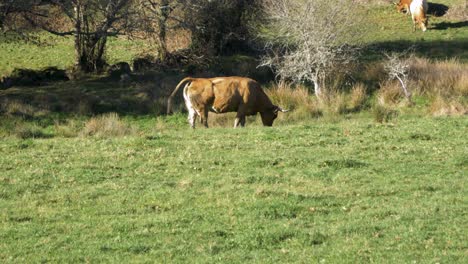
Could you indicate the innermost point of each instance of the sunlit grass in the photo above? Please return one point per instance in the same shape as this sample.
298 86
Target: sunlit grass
345 191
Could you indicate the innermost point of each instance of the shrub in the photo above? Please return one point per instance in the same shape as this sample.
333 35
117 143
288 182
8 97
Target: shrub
107 125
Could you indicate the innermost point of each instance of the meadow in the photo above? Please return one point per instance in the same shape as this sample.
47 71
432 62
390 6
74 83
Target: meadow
91 170
346 191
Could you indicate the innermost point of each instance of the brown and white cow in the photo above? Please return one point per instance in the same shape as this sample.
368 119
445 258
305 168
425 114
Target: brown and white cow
403 6
418 9
225 94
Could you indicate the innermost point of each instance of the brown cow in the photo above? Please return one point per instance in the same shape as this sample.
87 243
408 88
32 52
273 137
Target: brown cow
403 6
225 94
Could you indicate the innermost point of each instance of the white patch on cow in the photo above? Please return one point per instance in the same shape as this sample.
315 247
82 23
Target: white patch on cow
217 80
418 10
192 113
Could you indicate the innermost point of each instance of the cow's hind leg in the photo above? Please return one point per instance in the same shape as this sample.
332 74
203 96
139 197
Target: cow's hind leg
204 117
192 115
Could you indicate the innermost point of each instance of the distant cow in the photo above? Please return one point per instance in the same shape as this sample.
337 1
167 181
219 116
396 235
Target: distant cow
403 6
418 9
225 94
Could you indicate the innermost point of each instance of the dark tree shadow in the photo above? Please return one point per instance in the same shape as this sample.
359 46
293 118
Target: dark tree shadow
431 49
447 25
437 10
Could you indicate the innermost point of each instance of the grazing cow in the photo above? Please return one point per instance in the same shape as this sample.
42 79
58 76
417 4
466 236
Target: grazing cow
225 94
418 9
403 6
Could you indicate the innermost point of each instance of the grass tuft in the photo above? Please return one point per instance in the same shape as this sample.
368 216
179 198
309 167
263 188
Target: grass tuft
28 130
71 128
357 97
107 125
383 114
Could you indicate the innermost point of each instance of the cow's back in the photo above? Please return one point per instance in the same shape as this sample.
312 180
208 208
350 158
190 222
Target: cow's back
232 92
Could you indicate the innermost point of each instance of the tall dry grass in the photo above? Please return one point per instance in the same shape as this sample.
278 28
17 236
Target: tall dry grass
447 78
357 97
445 83
298 99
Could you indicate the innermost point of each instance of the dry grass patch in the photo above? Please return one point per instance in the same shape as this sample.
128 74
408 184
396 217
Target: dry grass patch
390 93
333 102
445 82
107 125
383 113
298 99
17 108
447 78
442 106
69 129
28 130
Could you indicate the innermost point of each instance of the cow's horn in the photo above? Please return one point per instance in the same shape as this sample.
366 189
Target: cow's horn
282 110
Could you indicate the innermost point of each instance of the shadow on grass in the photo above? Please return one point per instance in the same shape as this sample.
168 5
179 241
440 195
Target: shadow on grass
447 25
437 10
141 95
430 49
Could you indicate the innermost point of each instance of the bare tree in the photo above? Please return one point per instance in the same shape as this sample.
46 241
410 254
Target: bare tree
397 67
91 22
157 18
14 7
308 40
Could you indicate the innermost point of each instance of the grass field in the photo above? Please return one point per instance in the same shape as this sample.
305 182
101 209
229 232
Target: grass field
326 184
346 191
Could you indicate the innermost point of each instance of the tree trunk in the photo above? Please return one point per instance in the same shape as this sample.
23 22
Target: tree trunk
317 88
405 90
162 20
89 49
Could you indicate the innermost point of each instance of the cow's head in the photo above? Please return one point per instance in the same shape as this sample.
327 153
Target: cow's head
271 114
402 6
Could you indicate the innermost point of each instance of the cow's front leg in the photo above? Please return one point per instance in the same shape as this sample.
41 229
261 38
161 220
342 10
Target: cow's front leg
240 117
240 120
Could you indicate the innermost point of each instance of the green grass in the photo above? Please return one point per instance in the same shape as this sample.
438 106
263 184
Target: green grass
446 37
49 50
348 191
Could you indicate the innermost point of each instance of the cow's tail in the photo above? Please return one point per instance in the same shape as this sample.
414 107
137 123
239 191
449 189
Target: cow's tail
169 100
